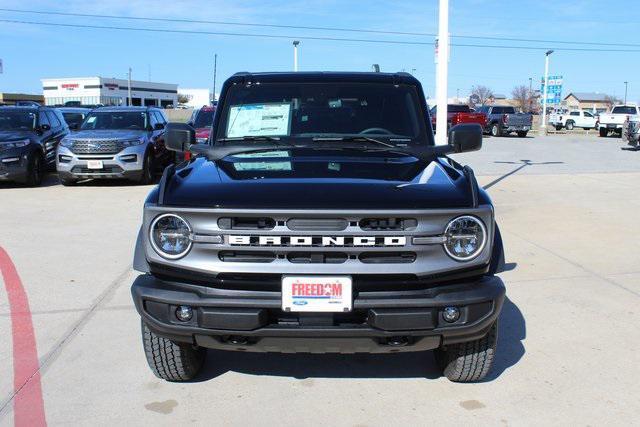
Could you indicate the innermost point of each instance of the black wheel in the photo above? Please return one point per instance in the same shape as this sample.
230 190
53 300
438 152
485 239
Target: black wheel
469 361
35 171
67 182
569 125
169 360
147 169
523 133
496 130
603 132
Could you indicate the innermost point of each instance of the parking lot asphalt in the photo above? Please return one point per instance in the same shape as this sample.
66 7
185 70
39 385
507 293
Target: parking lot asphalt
568 338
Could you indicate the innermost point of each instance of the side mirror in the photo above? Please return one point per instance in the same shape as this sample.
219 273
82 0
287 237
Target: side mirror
465 137
158 126
45 127
179 136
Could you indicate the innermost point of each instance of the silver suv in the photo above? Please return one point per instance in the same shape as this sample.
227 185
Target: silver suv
115 142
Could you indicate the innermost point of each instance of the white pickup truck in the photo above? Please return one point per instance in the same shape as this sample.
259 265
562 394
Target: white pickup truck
573 119
614 120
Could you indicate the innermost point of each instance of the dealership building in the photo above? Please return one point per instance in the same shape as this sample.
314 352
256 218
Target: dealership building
108 91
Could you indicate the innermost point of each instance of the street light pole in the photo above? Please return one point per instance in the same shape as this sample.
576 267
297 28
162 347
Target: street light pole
530 94
129 86
295 55
215 70
442 71
625 92
543 123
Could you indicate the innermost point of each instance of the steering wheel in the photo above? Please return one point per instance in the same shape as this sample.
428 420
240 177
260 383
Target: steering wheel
376 131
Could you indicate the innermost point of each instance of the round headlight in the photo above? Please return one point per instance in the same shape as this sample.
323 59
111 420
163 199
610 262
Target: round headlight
465 238
170 236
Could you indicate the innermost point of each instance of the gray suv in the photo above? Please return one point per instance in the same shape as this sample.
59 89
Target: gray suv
115 142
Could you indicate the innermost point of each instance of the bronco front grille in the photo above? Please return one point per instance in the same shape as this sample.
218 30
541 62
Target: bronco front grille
104 146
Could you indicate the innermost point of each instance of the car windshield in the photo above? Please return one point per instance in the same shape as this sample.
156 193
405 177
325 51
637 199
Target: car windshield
624 110
299 111
17 120
73 118
136 120
204 119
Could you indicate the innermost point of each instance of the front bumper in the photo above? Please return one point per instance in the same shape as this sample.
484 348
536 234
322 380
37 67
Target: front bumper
127 163
381 322
14 165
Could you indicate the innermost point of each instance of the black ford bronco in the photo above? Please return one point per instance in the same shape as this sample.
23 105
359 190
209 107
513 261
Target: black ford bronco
319 217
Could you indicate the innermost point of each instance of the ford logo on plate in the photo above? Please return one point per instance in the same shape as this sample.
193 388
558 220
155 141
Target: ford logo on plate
300 302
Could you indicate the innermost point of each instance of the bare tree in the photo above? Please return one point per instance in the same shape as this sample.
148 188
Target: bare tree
612 100
521 96
183 99
483 93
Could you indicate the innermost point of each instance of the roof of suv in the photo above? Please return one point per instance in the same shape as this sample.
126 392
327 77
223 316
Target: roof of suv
329 76
126 108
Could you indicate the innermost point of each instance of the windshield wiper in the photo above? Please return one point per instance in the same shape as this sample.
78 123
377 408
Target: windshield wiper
353 139
249 138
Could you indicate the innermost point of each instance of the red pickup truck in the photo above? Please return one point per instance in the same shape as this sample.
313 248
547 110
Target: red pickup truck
459 113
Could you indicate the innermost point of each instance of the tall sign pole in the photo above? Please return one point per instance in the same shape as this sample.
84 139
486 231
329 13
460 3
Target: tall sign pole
295 55
442 73
543 117
215 71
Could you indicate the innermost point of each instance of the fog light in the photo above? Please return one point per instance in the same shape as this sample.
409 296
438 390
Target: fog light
184 313
450 314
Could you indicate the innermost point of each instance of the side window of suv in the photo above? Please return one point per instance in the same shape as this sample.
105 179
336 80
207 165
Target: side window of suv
53 120
42 119
152 119
574 113
159 117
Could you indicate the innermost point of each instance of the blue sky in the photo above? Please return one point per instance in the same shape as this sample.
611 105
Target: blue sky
34 52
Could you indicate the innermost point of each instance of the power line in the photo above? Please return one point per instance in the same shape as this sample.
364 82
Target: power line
290 37
354 30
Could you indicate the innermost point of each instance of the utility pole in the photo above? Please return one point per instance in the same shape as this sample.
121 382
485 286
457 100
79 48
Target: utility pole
530 95
215 71
442 73
626 84
543 123
129 86
149 74
295 55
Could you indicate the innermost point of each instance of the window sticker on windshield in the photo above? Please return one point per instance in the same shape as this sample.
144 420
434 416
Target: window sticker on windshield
259 120
262 166
261 154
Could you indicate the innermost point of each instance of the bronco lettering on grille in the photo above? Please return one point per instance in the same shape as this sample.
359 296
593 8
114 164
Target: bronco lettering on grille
340 241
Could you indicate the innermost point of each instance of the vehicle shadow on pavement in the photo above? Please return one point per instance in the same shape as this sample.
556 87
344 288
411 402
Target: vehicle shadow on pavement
522 164
512 331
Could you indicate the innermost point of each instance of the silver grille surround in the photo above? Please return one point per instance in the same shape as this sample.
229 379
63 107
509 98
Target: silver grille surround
97 146
431 257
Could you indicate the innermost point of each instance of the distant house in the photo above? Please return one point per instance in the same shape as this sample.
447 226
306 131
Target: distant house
591 101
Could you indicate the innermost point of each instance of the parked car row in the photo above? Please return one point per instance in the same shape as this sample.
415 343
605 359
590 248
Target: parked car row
80 143
495 120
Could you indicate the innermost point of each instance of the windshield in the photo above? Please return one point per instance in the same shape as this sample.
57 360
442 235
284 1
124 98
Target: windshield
17 120
73 118
298 111
136 120
623 110
204 119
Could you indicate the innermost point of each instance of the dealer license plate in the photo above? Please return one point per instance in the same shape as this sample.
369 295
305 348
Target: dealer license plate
94 164
317 293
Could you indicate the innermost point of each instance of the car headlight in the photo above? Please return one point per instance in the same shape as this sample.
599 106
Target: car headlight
170 236
66 142
465 237
14 144
132 142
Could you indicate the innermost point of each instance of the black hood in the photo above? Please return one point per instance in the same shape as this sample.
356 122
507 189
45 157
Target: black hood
318 179
12 135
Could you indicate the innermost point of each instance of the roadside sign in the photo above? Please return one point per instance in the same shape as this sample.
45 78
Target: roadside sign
554 90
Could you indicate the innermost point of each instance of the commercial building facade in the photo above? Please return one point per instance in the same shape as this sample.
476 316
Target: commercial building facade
595 102
108 91
12 98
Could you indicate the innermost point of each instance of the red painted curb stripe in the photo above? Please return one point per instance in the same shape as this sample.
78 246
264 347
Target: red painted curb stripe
28 404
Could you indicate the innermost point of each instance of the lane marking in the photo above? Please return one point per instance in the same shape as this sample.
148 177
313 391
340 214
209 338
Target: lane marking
28 404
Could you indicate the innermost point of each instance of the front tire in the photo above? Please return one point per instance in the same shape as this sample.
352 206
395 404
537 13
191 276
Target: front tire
35 171
522 134
169 360
147 169
469 361
496 130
